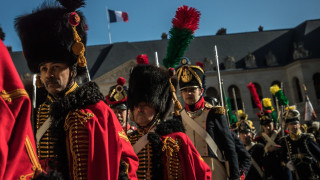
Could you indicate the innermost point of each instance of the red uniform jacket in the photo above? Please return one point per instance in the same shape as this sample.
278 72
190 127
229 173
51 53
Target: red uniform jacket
169 154
193 166
108 144
87 130
17 147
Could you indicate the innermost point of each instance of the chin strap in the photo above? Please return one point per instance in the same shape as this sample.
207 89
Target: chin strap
151 124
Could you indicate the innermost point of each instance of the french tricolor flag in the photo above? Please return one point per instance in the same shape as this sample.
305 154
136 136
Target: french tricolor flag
118 16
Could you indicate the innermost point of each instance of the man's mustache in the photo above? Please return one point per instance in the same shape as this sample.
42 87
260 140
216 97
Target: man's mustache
52 80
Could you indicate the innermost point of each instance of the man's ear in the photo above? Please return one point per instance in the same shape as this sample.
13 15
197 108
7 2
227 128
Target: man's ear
201 91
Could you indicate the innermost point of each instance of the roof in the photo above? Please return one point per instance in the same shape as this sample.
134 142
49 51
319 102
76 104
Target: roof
103 58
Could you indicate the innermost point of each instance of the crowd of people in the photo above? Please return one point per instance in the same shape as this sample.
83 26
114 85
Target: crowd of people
136 132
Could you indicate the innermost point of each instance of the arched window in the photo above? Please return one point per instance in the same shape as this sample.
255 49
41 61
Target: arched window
316 82
297 89
238 97
279 84
259 91
212 92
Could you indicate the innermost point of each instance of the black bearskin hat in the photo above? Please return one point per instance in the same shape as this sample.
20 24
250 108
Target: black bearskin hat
150 84
190 75
49 33
117 96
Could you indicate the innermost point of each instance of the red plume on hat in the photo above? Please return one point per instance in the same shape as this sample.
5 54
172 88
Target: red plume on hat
184 24
142 59
121 81
117 95
254 95
200 64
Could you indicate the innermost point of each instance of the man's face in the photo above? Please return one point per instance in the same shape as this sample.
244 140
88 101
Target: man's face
245 137
293 127
143 114
54 76
121 115
268 128
191 95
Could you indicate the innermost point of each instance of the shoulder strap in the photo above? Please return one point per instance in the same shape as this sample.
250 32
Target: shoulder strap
270 141
45 126
257 167
203 134
141 143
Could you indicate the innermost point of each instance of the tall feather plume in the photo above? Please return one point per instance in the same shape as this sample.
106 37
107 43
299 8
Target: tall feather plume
254 95
185 22
276 91
72 5
268 108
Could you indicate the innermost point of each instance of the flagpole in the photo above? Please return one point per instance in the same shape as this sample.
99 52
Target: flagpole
108 23
156 59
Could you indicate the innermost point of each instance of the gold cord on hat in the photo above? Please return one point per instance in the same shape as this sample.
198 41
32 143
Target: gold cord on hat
78 48
39 84
177 105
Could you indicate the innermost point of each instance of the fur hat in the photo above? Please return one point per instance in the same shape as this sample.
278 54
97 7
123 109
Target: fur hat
117 96
190 75
53 33
150 84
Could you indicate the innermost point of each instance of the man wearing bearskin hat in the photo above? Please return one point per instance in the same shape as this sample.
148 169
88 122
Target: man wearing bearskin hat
299 151
164 150
18 159
77 134
270 138
246 134
209 120
117 100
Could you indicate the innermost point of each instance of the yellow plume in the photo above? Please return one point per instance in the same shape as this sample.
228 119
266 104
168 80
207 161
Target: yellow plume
275 88
266 102
290 107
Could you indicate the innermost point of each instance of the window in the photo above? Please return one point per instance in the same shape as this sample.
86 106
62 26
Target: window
316 82
238 97
212 92
297 90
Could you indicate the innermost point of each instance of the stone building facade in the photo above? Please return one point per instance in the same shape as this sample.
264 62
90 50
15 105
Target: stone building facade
290 57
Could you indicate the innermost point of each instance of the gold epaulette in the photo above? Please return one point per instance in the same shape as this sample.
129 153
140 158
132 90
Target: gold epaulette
123 135
218 110
208 105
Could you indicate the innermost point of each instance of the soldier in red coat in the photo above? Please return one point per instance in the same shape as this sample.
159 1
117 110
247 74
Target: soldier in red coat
164 150
18 158
117 100
77 133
